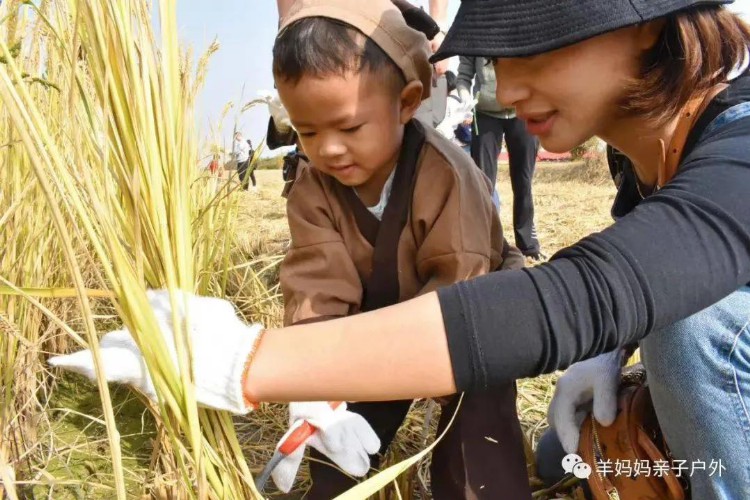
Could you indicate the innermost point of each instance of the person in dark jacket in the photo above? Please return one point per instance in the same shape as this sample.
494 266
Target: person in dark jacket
250 172
494 122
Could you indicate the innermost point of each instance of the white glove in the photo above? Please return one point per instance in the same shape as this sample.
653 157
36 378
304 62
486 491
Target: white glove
221 345
277 110
343 436
596 379
463 112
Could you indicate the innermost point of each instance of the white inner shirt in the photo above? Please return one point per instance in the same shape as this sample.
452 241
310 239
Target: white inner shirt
378 209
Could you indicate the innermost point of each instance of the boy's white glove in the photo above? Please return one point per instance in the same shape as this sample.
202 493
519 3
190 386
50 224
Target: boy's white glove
343 436
596 379
221 345
277 110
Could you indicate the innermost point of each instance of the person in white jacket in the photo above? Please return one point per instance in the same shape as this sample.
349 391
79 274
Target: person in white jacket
457 113
241 153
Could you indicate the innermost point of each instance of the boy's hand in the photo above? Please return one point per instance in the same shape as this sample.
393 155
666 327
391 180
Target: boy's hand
221 346
343 436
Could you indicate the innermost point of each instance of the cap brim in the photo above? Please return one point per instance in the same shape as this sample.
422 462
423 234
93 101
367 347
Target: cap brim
531 27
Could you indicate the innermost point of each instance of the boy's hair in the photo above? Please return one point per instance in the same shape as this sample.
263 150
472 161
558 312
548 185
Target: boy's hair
696 50
320 47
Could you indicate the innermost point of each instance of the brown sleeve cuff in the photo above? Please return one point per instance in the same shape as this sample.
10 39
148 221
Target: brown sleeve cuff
316 319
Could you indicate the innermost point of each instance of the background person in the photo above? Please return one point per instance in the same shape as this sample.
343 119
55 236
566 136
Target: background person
241 153
493 122
457 114
250 171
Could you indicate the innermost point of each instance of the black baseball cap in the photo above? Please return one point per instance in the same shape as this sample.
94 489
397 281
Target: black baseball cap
519 28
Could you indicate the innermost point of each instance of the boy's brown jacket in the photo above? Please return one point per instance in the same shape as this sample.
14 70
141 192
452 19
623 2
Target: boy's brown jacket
449 232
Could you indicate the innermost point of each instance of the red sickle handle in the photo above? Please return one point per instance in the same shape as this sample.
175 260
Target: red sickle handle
301 434
297 438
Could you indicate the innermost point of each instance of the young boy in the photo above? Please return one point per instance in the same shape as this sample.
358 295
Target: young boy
386 210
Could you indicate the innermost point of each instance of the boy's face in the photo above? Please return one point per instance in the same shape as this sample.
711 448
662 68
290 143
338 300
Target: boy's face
351 127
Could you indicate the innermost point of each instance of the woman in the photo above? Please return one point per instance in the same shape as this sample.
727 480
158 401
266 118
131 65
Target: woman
653 80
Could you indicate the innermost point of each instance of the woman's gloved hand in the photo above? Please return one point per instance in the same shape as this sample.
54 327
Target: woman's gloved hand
595 380
221 347
343 436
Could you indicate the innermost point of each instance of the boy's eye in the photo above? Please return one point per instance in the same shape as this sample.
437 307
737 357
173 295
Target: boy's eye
352 129
305 134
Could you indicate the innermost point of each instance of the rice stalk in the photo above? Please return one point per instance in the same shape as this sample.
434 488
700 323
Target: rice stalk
33 132
118 172
24 226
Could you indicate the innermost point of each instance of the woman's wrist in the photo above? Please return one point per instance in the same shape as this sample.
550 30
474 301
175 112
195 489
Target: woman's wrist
248 397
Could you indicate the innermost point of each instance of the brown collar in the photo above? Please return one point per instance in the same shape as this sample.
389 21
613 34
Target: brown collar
670 157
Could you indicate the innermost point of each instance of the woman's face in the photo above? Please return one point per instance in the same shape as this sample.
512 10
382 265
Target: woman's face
571 94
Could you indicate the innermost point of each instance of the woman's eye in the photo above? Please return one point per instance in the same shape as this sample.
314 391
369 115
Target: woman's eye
352 129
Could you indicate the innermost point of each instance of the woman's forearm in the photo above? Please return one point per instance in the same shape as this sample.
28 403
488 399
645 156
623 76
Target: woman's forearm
399 352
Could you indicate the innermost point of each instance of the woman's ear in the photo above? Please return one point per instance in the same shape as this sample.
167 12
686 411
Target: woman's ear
411 98
649 33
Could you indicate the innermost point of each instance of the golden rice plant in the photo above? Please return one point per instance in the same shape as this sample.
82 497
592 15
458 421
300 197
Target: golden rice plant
97 123
28 328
